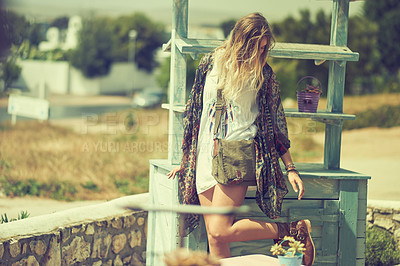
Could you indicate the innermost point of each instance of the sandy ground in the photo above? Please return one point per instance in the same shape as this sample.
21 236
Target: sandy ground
372 151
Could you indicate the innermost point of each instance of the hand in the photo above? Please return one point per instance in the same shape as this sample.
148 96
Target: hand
297 183
174 171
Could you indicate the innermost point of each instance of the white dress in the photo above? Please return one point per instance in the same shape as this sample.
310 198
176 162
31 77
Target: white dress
237 124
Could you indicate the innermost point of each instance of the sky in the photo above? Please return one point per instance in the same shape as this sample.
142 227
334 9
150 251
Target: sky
200 11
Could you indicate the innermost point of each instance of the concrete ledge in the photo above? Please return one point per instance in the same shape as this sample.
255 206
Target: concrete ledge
101 234
49 222
384 204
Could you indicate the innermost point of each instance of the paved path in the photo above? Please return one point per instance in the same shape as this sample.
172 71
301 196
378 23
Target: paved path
374 152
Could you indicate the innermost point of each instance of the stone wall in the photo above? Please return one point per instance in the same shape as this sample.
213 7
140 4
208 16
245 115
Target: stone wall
385 215
118 239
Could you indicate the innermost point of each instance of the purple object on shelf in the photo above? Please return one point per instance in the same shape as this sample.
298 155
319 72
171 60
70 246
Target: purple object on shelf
307 101
308 97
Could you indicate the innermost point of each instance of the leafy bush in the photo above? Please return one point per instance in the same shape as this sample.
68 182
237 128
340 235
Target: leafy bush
381 248
384 117
9 72
93 56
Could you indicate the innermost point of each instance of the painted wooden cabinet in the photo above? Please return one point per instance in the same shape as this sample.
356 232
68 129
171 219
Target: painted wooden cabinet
335 200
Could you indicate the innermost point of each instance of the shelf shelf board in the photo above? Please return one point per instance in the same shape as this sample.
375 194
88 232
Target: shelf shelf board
281 50
307 170
176 108
290 112
320 114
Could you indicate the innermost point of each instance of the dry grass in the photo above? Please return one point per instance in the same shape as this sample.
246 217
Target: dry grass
101 165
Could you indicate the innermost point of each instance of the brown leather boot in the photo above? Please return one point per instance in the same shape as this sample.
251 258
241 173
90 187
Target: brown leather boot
300 230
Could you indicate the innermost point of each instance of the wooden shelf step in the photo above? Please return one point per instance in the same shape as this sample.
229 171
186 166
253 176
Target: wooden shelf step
281 50
320 114
290 112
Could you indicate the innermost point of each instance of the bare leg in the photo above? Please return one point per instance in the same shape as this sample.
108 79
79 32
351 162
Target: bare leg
220 228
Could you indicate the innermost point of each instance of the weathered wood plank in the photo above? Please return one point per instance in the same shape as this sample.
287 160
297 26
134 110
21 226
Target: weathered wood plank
263 247
290 112
348 224
316 188
330 230
162 226
333 140
320 114
197 240
177 80
286 206
315 215
151 223
361 228
325 260
280 50
362 209
336 81
360 253
362 189
307 171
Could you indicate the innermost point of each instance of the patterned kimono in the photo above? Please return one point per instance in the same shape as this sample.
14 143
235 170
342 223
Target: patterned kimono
271 142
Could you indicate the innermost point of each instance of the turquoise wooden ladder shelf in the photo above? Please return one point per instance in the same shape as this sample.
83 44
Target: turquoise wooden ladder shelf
335 200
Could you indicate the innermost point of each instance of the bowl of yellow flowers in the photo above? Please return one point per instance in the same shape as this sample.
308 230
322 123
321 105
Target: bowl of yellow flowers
289 251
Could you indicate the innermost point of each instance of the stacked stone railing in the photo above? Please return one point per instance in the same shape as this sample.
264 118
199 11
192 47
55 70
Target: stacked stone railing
101 234
385 215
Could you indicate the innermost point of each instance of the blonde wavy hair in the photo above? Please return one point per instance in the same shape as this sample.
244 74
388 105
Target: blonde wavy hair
239 60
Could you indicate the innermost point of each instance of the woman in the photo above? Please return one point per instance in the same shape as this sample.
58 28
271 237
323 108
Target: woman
252 110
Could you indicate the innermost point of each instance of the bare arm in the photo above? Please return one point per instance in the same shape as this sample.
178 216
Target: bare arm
293 175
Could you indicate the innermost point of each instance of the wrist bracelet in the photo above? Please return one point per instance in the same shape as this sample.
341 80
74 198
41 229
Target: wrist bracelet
292 170
289 166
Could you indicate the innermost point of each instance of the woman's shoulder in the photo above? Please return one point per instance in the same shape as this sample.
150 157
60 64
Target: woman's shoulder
271 83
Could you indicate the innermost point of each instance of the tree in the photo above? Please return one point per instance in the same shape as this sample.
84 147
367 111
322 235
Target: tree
302 30
93 56
14 27
37 33
150 37
386 13
361 76
9 72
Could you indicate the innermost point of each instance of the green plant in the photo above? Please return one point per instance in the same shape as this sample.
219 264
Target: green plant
21 215
381 248
91 186
295 247
56 190
124 186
